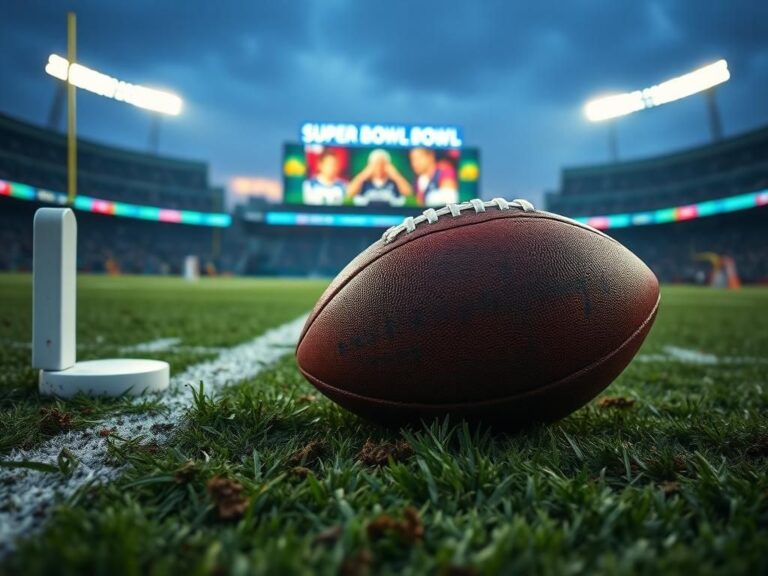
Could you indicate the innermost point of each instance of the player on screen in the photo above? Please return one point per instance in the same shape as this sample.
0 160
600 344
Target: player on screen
436 182
325 187
379 182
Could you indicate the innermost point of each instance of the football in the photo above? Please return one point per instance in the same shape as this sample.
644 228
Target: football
493 312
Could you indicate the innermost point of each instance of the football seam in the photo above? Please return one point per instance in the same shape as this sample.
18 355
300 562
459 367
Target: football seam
404 240
474 404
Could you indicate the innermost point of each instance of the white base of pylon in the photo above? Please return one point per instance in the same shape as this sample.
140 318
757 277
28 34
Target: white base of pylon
106 378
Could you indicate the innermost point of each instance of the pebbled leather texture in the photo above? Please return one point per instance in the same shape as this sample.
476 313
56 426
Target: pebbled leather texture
508 317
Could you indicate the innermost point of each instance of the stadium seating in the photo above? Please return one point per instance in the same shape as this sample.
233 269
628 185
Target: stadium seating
732 166
37 157
295 250
725 168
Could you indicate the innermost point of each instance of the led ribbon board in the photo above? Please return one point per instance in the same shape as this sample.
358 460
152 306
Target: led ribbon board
104 85
343 220
617 105
222 220
678 213
608 222
394 135
110 208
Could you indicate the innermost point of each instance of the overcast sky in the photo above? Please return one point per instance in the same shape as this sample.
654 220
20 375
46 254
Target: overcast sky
514 74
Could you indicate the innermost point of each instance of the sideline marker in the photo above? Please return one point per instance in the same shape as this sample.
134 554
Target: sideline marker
54 265
54 270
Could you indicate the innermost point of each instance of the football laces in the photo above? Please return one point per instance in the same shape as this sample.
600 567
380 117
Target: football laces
430 216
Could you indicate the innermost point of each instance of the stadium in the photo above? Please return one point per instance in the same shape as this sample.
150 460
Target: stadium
685 200
729 178
34 173
228 454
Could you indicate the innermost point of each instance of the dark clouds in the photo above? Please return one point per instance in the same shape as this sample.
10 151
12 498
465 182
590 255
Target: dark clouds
556 49
514 74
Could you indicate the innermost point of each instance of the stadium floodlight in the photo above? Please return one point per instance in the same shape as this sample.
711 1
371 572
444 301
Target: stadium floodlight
105 85
617 105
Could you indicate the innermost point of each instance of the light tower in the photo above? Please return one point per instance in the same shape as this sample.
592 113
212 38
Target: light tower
704 79
75 75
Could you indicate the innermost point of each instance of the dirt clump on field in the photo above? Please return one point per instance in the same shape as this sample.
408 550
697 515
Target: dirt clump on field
409 528
227 495
378 453
307 454
54 421
617 402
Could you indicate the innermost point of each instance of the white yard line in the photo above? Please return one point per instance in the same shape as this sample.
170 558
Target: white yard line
691 356
153 346
27 497
688 356
159 345
169 345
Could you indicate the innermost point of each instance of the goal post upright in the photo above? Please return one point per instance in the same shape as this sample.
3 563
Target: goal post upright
71 111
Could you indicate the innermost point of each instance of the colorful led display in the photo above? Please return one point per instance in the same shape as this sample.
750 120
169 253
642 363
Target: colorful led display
110 208
377 176
282 218
607 222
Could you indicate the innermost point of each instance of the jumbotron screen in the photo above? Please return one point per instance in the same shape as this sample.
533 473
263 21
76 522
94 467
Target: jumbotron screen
378 176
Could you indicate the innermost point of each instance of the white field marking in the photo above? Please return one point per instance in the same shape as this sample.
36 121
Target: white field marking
163 345
199 349
159 345
27 496
153 346
690 356
167 345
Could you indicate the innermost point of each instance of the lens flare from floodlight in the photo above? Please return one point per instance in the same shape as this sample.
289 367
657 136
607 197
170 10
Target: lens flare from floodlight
617 105
104 85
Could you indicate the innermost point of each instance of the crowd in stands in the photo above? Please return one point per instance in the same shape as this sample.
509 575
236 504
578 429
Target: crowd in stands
35 156
106 244
15 240
675 251
730 167
304 252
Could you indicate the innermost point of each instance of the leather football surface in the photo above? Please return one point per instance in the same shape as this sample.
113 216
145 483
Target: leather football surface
509 317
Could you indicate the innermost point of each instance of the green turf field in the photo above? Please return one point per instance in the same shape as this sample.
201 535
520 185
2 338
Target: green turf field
666 472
